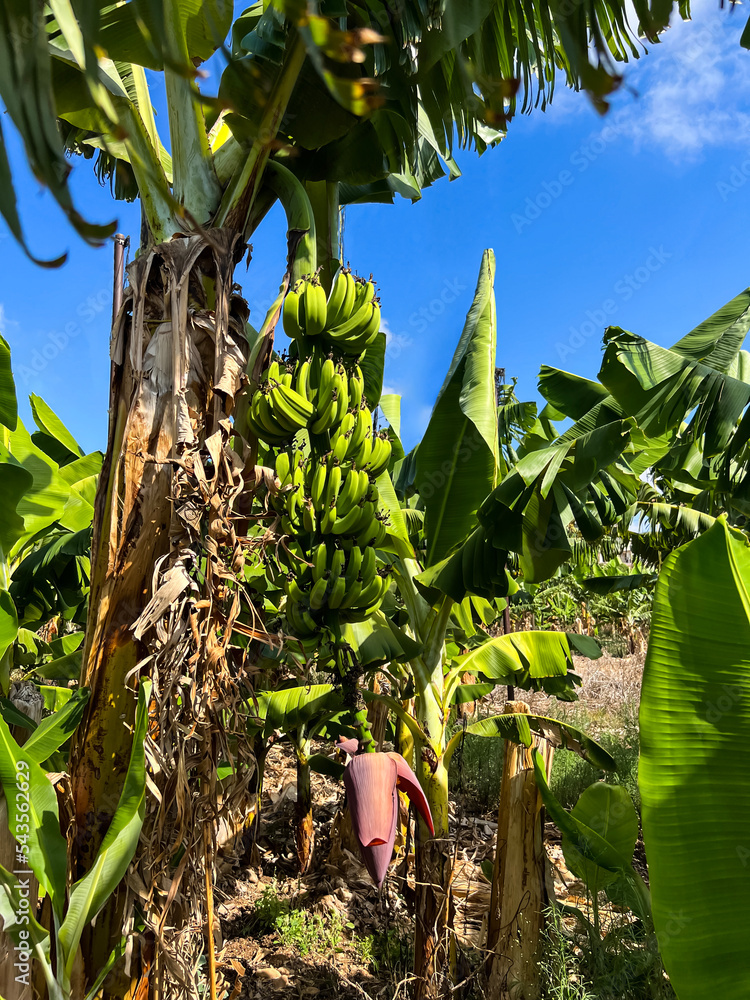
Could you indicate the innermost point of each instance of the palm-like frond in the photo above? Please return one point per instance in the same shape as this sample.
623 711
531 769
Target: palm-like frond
382 98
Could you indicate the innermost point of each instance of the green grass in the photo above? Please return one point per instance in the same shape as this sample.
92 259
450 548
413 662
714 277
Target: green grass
626 966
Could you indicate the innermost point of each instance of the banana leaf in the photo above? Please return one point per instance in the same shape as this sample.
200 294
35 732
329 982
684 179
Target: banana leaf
89 894
457 459
518 728
695 755
33 817
53 731
8 401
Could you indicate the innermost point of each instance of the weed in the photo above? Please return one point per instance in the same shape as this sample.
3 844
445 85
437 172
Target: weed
391 950
309 932
626 966
268 909
559 979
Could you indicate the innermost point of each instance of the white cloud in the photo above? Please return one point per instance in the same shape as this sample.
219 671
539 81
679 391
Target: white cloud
693 88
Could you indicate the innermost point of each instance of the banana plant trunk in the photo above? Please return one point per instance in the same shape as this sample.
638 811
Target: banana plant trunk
434 944
305 830
518 882
174 372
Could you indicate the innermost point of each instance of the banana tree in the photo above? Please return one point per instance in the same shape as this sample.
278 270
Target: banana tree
478 502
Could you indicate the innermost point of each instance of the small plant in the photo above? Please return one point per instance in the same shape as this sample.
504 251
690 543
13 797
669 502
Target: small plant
559 975
391 950
309 932
269 908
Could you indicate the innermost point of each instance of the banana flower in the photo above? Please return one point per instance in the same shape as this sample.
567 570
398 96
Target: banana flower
372 781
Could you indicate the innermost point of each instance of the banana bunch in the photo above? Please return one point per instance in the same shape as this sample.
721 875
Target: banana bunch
279 409
348 320
337 578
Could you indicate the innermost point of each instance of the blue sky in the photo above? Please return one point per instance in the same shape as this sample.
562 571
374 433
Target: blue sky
637 219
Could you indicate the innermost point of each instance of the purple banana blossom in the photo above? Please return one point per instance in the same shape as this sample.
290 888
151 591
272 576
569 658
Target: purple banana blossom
371 781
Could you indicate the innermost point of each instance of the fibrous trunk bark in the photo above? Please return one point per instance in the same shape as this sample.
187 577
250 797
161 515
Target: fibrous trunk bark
518 884
303 810
177 361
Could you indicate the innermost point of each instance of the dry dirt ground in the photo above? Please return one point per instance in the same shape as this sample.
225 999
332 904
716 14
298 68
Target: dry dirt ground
344 940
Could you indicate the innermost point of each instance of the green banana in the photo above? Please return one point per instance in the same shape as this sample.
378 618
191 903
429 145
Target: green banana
356 390
369 565
333 485
368 537
361 457
339 446
308 516
282 468
337 298
302 379
353 565
293 589
362 423
352 594
350 492
346 524
381 454
320 561
317 485
338 560
318 594
291 314
315 306
327 520
338 592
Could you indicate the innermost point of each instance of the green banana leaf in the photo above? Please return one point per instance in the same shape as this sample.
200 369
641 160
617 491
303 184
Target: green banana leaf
55 697
609 810
23 927
89 894
54 433
518 728
519 658
616 584
33 817
53 731
695 754
377 640
470 692
293 707
457 458
581 834
476 567
15 483
8 623
8 402
14 716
